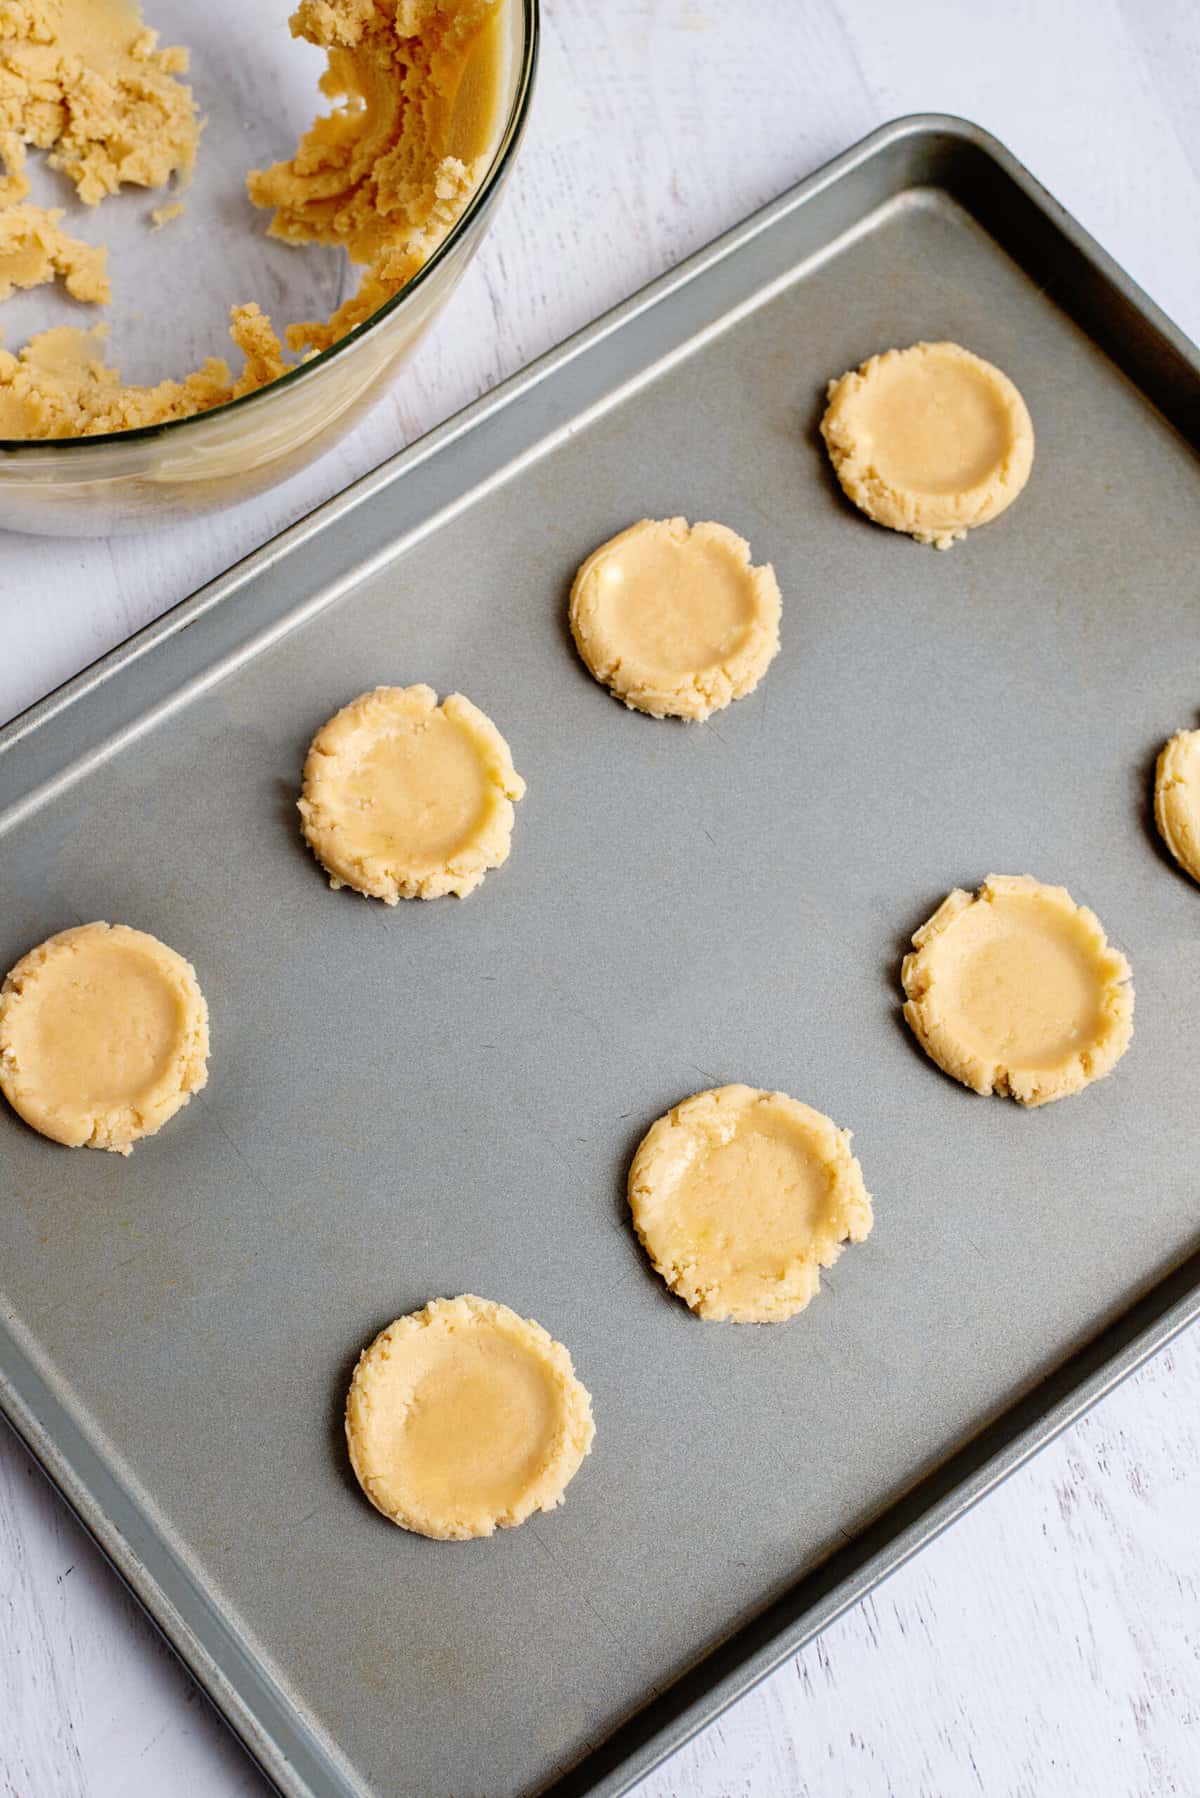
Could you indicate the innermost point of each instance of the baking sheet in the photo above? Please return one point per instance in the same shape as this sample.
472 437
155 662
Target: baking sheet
445 1097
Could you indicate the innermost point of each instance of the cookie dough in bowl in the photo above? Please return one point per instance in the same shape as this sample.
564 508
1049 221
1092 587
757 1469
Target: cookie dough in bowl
385 174
740 1197
1016 989
103 1036
930 440
464 1418
421 111
408 799
1177 799
674 618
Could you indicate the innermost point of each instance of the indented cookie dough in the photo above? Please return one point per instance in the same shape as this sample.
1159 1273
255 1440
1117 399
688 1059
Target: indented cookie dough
673 618
408 799
464 1418
930 440
417 102
1177 799
740 1197
1017 990
103 1036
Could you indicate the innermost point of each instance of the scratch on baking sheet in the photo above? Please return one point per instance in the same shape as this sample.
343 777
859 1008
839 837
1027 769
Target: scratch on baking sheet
253 1172
544 1134
605 1625
308 1516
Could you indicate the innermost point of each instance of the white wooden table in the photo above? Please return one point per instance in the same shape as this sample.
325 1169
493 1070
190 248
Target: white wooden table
1050 1644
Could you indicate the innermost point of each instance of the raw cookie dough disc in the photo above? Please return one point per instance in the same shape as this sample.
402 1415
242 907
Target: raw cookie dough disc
464 1417
103 1036
673 618
1016 989
1177 799
408 799
740 1197
930 440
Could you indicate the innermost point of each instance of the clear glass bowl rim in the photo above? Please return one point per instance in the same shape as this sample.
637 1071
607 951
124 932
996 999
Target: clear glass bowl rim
31 447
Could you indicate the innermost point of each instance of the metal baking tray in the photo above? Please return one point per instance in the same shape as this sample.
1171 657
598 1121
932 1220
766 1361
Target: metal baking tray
444 1097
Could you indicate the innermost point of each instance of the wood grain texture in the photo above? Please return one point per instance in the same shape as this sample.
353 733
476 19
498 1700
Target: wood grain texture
1050 1643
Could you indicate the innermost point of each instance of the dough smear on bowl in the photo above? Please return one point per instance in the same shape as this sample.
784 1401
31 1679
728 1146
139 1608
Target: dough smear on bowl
741 1197
464 1418
1016 989
930 440
408 799
1177 799
103 1036
417 92
674 619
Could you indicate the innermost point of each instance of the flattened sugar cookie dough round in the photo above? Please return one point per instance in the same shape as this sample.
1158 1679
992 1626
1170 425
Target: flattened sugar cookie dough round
740 1197
404 798
464 1418
674 619
1017 990
1177 799
930 440
103 1036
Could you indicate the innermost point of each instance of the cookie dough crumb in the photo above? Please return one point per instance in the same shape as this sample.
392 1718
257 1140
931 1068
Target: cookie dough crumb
404 798
103 1036
1177 799
930 440
464 1418
674 619
1016 989
740 1197
165 215
34 250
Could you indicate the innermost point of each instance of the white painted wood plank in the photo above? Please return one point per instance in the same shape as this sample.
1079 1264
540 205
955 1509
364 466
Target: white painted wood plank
1050 1643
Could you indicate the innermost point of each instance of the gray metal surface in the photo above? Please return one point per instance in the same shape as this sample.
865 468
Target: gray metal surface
444 1097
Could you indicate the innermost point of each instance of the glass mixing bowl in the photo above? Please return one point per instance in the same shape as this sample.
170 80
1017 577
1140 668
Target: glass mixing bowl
171 290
